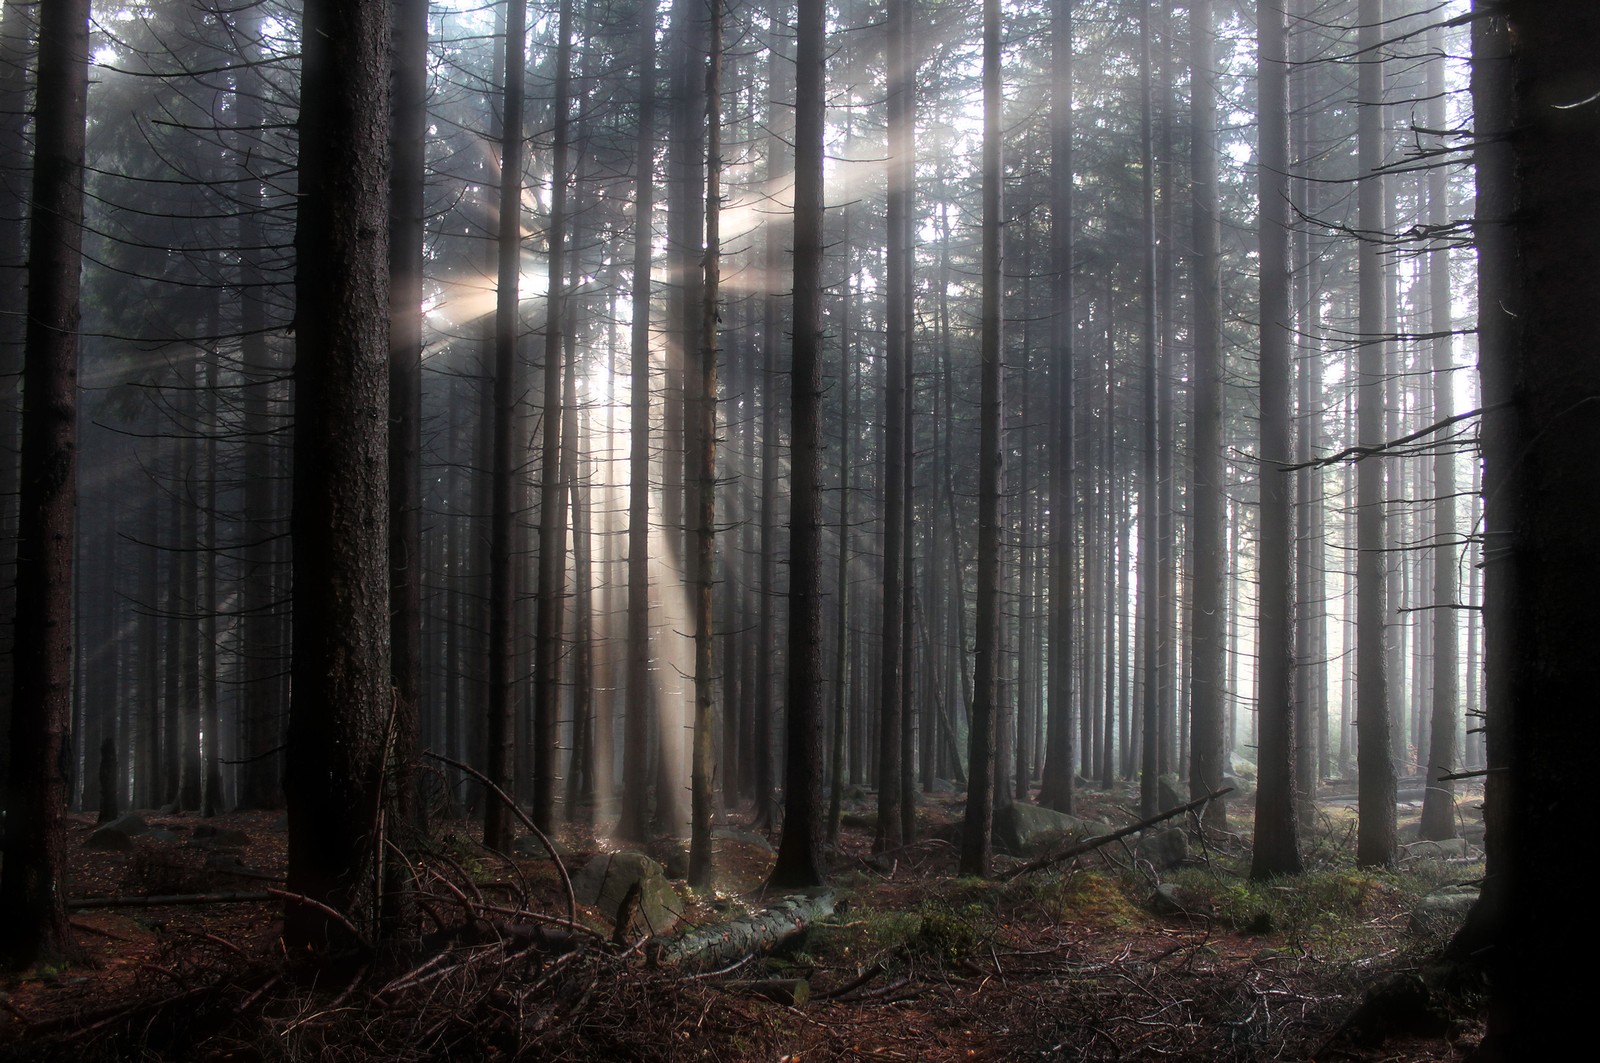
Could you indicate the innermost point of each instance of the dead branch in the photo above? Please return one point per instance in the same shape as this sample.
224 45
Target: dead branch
164 900
1106 839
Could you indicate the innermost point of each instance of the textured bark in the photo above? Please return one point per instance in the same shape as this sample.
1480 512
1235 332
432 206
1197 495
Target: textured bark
548 639
1438 802
1208 757
702 795
1277 841
799 861
1375 832
977 828
507 374
33 919
1547 736
408 134
1154 650
891 707
635 823
341 712
1055 790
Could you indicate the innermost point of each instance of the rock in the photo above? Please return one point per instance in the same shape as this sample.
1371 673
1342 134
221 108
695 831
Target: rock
281 823
1166 899
867 821
1021 829
672 855
1170 791
853 793
1164 848
163 836
1442 911
211 836
110 839
605 881
526 845
943 786
1241 767
129 823
743 837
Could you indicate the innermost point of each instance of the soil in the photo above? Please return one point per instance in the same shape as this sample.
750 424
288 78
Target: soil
916 963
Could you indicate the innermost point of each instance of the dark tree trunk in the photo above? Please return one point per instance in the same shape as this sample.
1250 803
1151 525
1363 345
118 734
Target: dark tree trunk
976 832
341 711
1438 802
1375 832
33 917
800 850
703 433
1208 629
1055 790
552 508
1149 477
502 507
891 708
1552 488
408 136
1277 838
635 823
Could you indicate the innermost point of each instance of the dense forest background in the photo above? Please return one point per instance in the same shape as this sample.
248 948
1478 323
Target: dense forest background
652 415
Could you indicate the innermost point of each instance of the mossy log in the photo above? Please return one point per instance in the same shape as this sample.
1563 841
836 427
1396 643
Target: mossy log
707 948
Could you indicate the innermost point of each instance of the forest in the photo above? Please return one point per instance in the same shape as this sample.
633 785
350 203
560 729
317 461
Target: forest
622 529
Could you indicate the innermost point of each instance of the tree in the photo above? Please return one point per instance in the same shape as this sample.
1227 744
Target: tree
342 711
799 861
635 824
891 705
1207 623
1552 499
976 829
33 916
1375 832
1055 790
502 512
1277 840
703 433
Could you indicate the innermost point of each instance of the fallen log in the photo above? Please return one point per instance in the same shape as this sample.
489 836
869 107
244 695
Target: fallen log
1115 836
717 945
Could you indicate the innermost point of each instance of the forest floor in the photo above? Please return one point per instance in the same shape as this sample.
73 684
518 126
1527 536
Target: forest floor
1068 963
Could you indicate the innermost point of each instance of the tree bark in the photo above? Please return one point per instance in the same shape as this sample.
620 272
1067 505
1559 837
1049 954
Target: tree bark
341 722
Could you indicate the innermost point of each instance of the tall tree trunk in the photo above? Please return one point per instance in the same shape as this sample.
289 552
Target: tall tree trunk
1055 790
1375 832
408 131
799 861
1149 479
1277 838
1553 488
1438 802
1208 629
552 508
703 435
976 832
503 503
33 917
341 713
635 824
891 708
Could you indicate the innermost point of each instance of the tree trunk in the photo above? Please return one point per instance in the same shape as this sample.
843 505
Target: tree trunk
1375 832
341 721
977 827
33 918
799 861
1277 838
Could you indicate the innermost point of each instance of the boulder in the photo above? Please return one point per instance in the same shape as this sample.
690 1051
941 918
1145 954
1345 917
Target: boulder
1164 848
1021 829
163 836
605 881
109 838
1441 912
129 823
526 845
211 836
